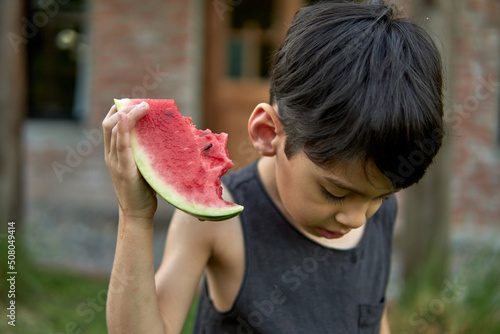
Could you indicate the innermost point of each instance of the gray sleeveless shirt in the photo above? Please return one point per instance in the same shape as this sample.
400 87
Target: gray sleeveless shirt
292 284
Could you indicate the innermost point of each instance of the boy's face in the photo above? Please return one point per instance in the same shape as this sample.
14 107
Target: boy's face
328 203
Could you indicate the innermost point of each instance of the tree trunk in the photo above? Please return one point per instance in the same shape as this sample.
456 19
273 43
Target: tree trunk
12 102
425 240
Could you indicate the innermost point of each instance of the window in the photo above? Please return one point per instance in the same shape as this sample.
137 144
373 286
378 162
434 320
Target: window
53 57
250 42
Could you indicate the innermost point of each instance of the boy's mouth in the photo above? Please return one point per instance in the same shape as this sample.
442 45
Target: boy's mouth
330 234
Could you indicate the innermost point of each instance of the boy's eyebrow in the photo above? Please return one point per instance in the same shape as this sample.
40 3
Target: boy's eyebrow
345 186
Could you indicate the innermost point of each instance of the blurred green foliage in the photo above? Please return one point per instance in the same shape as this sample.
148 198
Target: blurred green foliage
50 301
468 301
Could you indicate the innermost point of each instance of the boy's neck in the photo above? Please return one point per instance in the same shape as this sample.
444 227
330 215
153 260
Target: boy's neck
266 167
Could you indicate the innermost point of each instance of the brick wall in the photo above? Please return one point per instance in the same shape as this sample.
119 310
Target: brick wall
474 116
142 50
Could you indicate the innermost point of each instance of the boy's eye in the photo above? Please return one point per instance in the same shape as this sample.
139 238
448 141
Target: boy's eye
332 198
383 199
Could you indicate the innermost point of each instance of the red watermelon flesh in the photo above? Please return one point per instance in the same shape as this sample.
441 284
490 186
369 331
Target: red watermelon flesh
181 163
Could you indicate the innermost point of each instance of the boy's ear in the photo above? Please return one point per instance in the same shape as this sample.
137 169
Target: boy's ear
265 129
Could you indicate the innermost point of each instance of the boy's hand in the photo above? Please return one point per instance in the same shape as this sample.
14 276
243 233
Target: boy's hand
135 197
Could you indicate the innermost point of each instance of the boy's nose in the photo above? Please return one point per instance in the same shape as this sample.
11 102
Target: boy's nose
353 218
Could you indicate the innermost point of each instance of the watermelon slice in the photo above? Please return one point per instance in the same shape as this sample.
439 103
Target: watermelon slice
181 163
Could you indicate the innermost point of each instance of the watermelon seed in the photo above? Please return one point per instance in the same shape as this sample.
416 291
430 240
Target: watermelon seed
208 147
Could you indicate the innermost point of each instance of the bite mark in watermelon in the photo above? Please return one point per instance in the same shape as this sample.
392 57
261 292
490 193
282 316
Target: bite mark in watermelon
181 163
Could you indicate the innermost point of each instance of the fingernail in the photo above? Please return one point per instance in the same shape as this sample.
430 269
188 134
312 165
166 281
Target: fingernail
142 105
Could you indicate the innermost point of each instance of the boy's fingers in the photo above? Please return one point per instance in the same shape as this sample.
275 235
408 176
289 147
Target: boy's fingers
112 153
137 113
107 126
111 120
111 111
125 157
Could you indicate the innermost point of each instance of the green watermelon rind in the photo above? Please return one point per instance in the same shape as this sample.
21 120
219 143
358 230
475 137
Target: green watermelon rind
167 192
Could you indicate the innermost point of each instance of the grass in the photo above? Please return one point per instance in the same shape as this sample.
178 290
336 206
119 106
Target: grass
468 301
56 301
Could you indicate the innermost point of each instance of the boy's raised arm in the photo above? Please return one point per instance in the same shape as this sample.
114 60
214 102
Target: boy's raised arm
132 304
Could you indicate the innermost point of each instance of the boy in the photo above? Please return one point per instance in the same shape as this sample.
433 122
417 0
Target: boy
355 115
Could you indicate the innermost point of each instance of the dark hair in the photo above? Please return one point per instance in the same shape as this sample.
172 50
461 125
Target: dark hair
357 82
